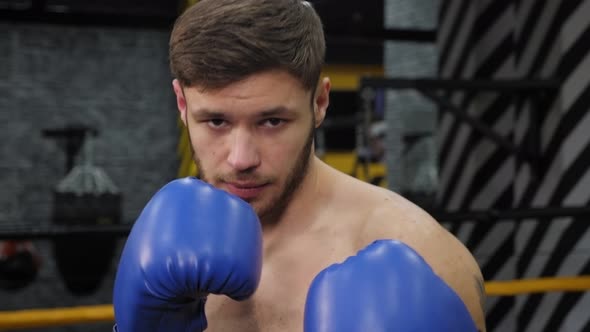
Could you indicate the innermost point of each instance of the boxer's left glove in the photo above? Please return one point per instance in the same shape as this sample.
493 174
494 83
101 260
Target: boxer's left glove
190 240
386 287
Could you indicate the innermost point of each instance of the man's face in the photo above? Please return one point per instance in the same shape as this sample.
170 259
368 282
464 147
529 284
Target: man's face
253 138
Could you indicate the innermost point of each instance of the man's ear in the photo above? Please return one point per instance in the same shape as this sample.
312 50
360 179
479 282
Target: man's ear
322 100
180 100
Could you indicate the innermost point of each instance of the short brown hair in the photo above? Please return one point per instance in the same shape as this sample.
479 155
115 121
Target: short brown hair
218 42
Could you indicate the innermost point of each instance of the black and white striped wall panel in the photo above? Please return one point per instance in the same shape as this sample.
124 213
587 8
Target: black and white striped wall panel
491 39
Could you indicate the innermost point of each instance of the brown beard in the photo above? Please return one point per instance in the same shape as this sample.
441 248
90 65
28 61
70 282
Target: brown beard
273 212
292 184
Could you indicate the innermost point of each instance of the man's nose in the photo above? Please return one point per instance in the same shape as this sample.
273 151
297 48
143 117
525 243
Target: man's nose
243 154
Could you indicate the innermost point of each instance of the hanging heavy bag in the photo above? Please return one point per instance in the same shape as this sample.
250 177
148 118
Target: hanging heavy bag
85 197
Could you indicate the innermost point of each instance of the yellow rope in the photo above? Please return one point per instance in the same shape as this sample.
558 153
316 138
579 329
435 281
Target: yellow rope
539 285
35 318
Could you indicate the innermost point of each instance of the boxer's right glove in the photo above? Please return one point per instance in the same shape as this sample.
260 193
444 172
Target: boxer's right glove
190 240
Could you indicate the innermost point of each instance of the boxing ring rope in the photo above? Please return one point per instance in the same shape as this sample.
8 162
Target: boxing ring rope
537 285
38 318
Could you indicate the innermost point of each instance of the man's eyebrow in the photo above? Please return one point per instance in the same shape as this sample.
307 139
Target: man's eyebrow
280 110
207 113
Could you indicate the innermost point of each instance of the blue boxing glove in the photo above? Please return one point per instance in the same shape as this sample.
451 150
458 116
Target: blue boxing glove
386 287
190 240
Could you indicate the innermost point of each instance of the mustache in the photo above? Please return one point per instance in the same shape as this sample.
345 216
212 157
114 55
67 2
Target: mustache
250 178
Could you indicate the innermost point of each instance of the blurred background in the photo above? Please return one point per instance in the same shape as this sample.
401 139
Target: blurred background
474 109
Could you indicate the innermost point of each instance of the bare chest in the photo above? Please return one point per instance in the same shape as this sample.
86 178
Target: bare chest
279 302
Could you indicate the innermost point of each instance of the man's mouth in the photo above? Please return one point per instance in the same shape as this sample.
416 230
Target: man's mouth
245 190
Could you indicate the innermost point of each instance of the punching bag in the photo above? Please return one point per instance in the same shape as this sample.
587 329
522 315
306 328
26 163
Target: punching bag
85 197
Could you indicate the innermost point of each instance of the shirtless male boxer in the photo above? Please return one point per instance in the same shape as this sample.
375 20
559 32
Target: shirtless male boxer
274 239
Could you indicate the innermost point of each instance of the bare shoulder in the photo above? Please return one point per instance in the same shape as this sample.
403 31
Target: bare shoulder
394 217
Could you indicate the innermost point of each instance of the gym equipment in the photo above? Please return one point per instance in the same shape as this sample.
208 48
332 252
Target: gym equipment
19 264
86 196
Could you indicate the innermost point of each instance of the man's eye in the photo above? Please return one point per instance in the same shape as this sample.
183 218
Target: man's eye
273 122
216 123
